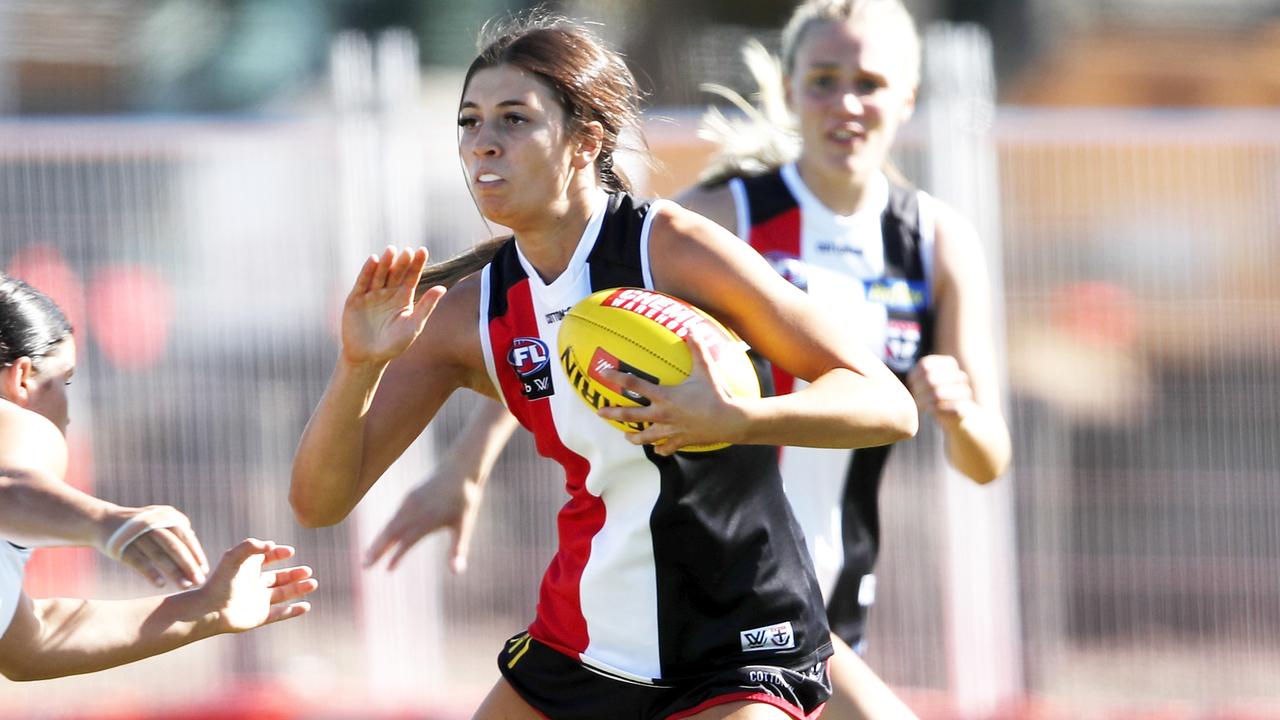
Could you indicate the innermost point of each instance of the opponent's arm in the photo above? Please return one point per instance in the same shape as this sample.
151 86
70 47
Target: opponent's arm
55 637
39 509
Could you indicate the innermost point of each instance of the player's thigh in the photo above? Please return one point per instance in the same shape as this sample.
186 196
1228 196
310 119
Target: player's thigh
503 703
742 711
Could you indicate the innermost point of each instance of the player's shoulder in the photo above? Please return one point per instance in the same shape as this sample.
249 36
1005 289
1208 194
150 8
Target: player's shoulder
714 202
958 249
949 224
30 442
674 227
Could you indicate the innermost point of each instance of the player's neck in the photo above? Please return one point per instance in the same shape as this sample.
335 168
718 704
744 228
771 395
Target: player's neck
842 191
549 242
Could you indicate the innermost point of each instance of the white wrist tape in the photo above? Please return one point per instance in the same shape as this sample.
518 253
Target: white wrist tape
137 526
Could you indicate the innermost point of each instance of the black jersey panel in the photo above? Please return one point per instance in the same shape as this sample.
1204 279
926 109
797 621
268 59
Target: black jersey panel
615 259
731 560
767 197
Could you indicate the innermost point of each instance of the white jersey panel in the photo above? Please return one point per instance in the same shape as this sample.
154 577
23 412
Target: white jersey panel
816 501
618 590
840 253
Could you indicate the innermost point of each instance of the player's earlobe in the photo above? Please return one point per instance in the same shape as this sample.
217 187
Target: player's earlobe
590 144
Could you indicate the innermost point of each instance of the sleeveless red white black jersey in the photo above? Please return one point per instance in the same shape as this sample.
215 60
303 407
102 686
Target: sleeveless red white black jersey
667 567
874 267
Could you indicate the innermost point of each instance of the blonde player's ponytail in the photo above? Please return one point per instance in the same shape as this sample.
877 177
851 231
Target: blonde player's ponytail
764 138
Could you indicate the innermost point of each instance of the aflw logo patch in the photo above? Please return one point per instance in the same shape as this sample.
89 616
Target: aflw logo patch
770 637
531 359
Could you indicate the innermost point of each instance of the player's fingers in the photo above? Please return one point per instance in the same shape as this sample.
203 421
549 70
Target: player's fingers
240 552
364 280
698 350
384 266
417 261
462 543
276 579
655 434
937 362
159 559
399 268
411 535
285 612
139 562
400 551
293 590
275 553
166 541
949 408
427 303
379 546
632 387
630 415
668 447
188 538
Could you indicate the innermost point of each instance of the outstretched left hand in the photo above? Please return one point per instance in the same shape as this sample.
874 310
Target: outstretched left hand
245 597
698 411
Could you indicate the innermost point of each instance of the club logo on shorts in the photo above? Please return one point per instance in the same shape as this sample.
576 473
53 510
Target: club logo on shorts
531 359
769 637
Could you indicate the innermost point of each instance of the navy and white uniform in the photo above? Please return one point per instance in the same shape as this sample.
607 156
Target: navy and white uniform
875 268
13 561
668 568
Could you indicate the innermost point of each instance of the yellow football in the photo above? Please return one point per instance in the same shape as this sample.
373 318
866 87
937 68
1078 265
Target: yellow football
642 332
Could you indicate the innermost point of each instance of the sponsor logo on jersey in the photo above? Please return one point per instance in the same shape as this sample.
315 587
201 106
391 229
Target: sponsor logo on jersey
670 313
897 294
837 247
769 637
531 360
581 381
556 316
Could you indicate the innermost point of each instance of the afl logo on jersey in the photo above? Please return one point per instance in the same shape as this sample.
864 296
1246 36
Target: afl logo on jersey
531 360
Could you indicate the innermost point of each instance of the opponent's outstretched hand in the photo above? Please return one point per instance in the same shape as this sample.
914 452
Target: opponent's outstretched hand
698 411
381 316
244 596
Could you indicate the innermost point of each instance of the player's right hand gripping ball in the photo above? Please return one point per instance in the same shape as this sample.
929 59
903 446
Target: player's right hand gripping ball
642 332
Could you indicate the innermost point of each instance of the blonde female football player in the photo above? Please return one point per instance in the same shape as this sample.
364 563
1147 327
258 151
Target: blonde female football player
629 623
